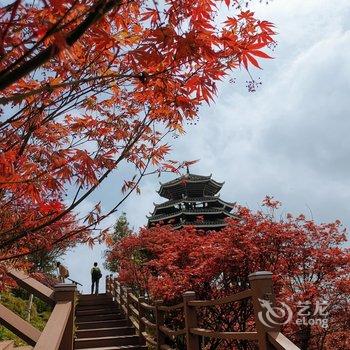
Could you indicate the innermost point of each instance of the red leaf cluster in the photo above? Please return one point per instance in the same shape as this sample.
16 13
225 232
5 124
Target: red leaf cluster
89 84
308 260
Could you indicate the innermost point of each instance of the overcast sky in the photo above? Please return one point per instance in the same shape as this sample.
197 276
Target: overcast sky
289 139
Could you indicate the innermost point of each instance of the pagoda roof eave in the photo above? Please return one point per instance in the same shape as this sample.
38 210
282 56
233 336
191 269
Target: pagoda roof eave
204 211
185 177
203 224
188 179
192 200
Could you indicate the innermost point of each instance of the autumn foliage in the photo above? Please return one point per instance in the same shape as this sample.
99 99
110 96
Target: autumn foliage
308 260
86 86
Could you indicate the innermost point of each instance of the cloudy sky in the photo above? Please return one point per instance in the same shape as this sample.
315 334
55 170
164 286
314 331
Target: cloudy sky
289 139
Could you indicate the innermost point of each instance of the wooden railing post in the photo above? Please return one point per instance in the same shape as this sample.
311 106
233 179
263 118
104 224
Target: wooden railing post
128 303
115 285
192 340
119 289
66 292
142 327
262 289
108 285
159 323
111 285
121 297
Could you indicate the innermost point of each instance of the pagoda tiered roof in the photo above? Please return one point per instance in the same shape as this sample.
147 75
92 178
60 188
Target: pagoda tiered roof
191 185
193 200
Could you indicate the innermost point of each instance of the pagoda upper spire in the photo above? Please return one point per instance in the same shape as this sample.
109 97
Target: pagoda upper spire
190 185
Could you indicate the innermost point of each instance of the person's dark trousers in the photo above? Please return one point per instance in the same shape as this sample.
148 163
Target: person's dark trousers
94 284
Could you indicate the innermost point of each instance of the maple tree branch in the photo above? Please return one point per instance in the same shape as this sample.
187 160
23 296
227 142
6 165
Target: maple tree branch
51 87
50 31
82 229
100 9
26 232
14 7
100 219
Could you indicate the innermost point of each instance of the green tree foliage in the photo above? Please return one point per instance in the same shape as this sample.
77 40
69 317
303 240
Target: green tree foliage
45 261
17 301
121 230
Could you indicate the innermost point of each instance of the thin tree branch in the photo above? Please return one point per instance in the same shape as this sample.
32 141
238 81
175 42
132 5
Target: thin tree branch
101 8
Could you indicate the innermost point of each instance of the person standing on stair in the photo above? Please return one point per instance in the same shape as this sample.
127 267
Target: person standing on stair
63 272
95 278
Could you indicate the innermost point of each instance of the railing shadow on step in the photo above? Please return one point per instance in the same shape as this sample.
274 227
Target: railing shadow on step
268 337
58 331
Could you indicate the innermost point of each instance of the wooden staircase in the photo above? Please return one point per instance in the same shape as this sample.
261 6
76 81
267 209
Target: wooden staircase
101 325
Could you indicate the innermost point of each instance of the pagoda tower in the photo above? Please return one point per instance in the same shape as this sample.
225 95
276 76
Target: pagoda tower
192 200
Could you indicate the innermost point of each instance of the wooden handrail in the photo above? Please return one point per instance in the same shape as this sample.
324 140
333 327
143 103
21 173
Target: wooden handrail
149 339
133 297
148 306
18 326
33 286
225 335
58 331
281 342
134 310
171 333
148 323
261 288
229 299
171 308
52 334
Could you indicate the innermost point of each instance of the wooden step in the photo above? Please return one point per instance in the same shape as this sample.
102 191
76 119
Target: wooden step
97 311
97 306
102 324
85 297
104 332
123 347
106 341
99 317
95 302
102 299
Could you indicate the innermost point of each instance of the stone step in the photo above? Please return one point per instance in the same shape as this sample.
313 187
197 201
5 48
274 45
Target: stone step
104 332
86 343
